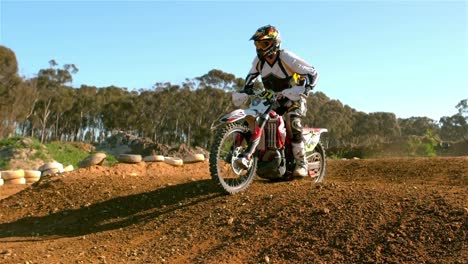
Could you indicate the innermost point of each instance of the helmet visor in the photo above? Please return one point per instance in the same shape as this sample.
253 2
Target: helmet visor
263 44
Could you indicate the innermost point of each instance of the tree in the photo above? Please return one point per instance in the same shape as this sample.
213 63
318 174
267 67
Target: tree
49 83
462 107
375 127
62 104
116 106
8 69
26 99
337 118
10 89
85 111
417 126
220 80
315 101
455 127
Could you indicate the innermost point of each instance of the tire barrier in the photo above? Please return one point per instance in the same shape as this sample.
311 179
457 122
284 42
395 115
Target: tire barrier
16 181
51 166
12 174
193 158
153 158
173 161
50 172
32 176
94 159
32 173
129 158
68 168
32 180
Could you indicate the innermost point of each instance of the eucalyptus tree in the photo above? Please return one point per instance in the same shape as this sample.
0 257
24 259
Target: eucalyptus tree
10 88
337 118
84 115
123 113
145 103
315 101
62 104
462 107
210 104
376 127
417 126
28 96
220 80
50 84
167 109
455 127
117 108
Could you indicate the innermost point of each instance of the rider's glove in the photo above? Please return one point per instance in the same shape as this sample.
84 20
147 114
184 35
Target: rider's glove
266 94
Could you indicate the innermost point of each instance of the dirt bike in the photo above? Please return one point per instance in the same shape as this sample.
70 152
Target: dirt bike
260 133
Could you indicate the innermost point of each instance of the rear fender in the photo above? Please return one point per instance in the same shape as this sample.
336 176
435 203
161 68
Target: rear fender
312 137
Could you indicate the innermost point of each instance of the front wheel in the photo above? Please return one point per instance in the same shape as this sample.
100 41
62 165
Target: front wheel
229 143
316 163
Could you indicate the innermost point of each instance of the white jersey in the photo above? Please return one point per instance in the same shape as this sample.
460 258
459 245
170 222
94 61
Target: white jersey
278 76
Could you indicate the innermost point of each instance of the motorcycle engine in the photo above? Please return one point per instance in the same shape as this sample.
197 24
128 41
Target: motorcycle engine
272 165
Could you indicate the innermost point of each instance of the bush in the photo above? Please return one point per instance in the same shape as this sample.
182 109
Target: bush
27 148
66 153
421 146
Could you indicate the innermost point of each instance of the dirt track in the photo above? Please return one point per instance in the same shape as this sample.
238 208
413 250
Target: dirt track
366 211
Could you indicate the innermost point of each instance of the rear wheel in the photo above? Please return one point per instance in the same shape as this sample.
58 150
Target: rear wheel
316 163
229 143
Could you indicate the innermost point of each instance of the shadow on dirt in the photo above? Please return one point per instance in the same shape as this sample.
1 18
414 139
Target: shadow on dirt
112 214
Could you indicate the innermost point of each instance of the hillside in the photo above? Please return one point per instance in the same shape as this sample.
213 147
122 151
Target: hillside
366 211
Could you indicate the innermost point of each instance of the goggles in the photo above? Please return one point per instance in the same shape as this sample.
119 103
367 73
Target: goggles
263 44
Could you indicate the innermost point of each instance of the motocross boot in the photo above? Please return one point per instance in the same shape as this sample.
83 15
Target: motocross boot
298 150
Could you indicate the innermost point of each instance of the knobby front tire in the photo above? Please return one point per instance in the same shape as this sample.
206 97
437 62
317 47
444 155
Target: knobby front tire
224 151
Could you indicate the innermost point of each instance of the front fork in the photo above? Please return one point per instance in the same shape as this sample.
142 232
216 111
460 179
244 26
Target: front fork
255 138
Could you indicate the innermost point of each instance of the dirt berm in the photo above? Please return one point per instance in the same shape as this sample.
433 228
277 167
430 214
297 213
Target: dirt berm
366 211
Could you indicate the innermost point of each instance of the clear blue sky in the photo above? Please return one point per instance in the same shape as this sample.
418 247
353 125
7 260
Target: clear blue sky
405 57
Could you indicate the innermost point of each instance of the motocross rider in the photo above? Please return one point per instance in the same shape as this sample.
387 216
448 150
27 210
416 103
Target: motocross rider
280 69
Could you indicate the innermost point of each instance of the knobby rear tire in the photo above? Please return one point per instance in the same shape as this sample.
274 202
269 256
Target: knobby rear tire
319 151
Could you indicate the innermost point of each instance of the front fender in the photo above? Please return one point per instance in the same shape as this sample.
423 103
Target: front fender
234 116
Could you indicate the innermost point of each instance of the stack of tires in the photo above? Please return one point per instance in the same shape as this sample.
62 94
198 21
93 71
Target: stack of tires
13 177
19 176
32 176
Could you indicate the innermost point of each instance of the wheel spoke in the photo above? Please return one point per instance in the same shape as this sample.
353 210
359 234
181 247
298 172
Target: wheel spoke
226 150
